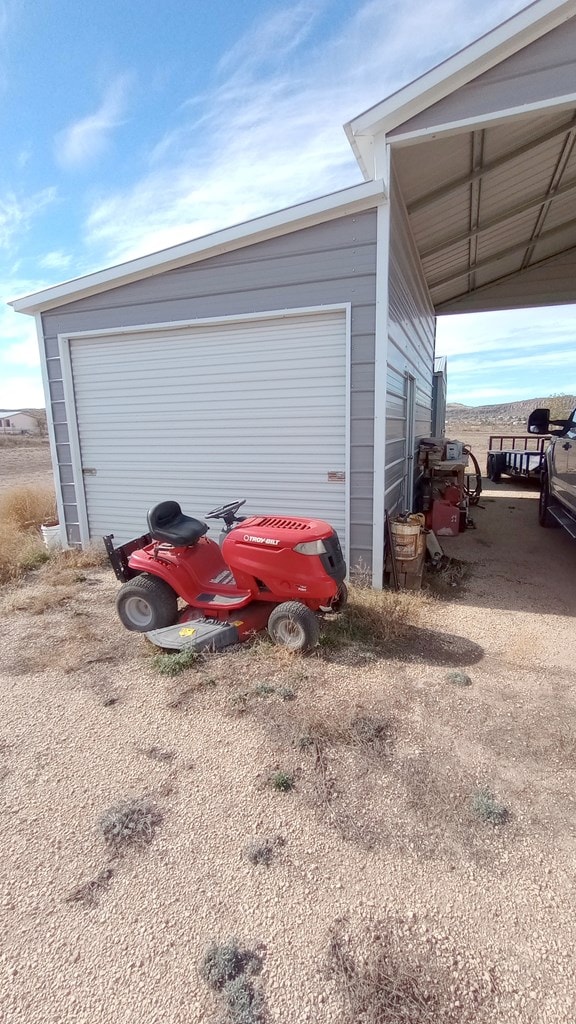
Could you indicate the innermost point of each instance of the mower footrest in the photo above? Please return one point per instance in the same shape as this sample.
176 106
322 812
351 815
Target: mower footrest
196 634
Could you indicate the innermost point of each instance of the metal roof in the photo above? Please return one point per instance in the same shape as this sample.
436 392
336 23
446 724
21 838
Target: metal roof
483 149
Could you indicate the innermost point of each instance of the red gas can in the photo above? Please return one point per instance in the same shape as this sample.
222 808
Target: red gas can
445 519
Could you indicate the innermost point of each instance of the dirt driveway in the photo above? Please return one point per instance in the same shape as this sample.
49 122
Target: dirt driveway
429 825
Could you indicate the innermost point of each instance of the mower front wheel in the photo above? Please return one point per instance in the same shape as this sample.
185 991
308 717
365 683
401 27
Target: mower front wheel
294 626
146 603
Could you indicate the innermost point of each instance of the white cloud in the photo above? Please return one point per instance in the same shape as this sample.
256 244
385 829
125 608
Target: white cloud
16 212
55 260
270 132
85 140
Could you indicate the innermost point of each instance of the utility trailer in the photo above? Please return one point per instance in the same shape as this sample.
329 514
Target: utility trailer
515 455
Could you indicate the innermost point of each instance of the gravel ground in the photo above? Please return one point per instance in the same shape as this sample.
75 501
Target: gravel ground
379 838
25 461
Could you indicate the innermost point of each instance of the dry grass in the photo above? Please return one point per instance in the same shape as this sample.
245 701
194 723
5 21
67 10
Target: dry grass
38 599
27 507
374 618
19 552
392 981
92 557
88 893
22 511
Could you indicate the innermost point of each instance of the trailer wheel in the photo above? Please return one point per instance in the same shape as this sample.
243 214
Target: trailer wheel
495 467
544 517
146 603
294 626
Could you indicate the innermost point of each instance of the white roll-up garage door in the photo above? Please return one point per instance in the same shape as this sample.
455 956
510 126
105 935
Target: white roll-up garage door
205 414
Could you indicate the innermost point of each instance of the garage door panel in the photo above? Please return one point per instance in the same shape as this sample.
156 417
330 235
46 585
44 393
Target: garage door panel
212 413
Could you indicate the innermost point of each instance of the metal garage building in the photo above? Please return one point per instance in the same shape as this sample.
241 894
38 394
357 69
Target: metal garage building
290 360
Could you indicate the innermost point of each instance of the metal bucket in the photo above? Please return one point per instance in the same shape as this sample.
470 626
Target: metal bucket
406 537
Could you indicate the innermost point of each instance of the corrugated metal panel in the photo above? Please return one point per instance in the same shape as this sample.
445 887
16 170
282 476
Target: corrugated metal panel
541 71
348 243
548 283
411 329
253 409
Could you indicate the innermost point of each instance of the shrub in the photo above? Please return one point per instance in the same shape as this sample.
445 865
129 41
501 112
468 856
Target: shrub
459 679
130 823
226 961
228 969
486 807
261 851
282 781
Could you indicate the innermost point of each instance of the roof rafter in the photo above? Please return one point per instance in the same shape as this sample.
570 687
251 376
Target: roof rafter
494 165
447 304
502 254
513 211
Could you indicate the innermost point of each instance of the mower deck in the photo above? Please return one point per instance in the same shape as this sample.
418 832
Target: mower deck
200 633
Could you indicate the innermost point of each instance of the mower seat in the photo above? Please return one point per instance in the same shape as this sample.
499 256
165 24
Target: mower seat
167 522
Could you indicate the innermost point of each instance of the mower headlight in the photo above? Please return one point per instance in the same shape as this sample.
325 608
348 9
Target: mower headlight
311 547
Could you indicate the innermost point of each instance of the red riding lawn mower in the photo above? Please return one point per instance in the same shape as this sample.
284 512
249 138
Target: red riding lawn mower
267 571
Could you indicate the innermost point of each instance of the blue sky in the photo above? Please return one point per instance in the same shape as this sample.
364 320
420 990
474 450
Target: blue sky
130 126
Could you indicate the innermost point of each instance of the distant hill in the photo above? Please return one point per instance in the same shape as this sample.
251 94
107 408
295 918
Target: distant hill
509 412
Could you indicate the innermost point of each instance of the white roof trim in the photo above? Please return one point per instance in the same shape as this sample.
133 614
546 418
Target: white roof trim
315 211
489 120
488 51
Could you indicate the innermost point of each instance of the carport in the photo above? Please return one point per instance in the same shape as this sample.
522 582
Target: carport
482 149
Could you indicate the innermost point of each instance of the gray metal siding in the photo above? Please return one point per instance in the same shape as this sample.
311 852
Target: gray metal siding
544 70
329 263
411 332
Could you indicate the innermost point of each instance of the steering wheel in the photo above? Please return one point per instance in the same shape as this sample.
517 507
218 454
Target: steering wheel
226 512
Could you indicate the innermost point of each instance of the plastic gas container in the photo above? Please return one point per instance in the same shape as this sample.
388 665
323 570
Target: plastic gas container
445 519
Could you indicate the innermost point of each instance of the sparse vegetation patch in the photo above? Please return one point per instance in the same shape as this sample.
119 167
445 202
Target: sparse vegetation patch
89 893
282 781
261 851
174 664
130 823
487 808
230 971
392 981
459 679
373 618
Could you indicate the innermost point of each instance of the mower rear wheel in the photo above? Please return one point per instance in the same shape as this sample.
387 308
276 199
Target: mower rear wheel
294 626
146 603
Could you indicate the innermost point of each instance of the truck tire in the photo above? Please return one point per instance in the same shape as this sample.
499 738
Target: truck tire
544 517
146 603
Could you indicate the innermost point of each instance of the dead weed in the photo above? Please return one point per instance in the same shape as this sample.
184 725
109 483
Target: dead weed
88 893
389 976
373 618
27 507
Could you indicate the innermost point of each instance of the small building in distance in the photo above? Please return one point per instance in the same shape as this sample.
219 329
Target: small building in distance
18 421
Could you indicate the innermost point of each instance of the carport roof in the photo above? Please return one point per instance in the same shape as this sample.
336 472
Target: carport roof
492 197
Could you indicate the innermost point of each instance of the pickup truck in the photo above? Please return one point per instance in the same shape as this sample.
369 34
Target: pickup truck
557 505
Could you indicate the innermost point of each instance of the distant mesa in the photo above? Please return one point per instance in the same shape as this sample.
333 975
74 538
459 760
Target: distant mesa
510 412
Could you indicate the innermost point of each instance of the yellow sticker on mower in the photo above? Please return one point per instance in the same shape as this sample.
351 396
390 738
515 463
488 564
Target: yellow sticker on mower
187 631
